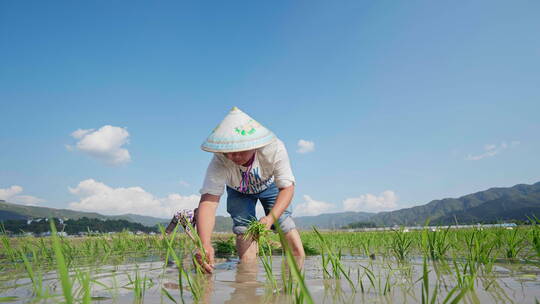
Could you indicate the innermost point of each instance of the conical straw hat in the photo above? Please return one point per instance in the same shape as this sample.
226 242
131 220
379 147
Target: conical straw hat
237 132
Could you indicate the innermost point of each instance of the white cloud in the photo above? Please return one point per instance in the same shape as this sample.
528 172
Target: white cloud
491 150
80 133
184 183
312 207
7 193
371 203
488 153
305 146
490 147
11 195
104 144
99 197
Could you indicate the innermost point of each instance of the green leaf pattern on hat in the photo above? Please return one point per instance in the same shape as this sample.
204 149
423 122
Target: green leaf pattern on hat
248 128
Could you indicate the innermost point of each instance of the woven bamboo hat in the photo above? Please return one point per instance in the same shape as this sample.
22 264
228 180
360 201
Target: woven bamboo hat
237 132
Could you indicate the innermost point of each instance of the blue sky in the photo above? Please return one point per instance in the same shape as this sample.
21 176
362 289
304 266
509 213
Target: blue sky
404 102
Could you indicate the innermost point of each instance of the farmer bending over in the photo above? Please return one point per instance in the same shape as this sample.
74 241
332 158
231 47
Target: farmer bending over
253 163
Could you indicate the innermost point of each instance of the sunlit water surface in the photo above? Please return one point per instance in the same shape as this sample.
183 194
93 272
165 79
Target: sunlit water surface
391 282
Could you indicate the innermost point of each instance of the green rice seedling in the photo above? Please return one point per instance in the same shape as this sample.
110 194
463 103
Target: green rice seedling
309 249
367 245
87 297
498 294
359 282
225 247
425 286
286 279
325 260
426 298
514 241
168 295
536 241
255 230
303 295
457 298
193 283
401 244
9 299
83 291
48 254
436 242
265 255
171 252
334 259
387 284
199 246
534 237
466 275
8 250
328 256
139 286
61 265
375 281
37 280
474 251
266 260
479 249
497 237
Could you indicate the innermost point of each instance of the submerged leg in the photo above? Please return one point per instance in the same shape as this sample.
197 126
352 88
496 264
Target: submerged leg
247 249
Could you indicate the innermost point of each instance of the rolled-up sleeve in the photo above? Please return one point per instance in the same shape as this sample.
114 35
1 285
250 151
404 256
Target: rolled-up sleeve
215 179
283 175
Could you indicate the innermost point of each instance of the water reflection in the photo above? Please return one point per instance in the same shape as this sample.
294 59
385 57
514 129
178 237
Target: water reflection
243 288
245 284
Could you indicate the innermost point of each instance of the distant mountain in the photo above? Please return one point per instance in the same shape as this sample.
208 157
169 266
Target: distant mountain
10 211
493 204
142 219
502 209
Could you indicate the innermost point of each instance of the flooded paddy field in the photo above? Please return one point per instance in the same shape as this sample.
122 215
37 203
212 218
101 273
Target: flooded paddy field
441 266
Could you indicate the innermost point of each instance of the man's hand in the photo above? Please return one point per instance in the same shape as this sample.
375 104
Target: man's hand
268 221
208 264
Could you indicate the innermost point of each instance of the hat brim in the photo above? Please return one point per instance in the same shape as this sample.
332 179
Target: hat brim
225 148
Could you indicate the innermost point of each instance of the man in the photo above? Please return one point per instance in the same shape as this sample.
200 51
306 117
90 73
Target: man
253 164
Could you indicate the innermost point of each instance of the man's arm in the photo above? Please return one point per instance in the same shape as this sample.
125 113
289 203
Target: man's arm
283 201
206 216
206 219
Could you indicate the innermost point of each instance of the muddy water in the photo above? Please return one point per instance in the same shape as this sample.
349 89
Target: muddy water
390 282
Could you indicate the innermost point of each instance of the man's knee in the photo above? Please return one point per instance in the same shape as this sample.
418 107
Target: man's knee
286 223
239 230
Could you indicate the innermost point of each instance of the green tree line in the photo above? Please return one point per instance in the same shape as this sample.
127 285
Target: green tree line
72 226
